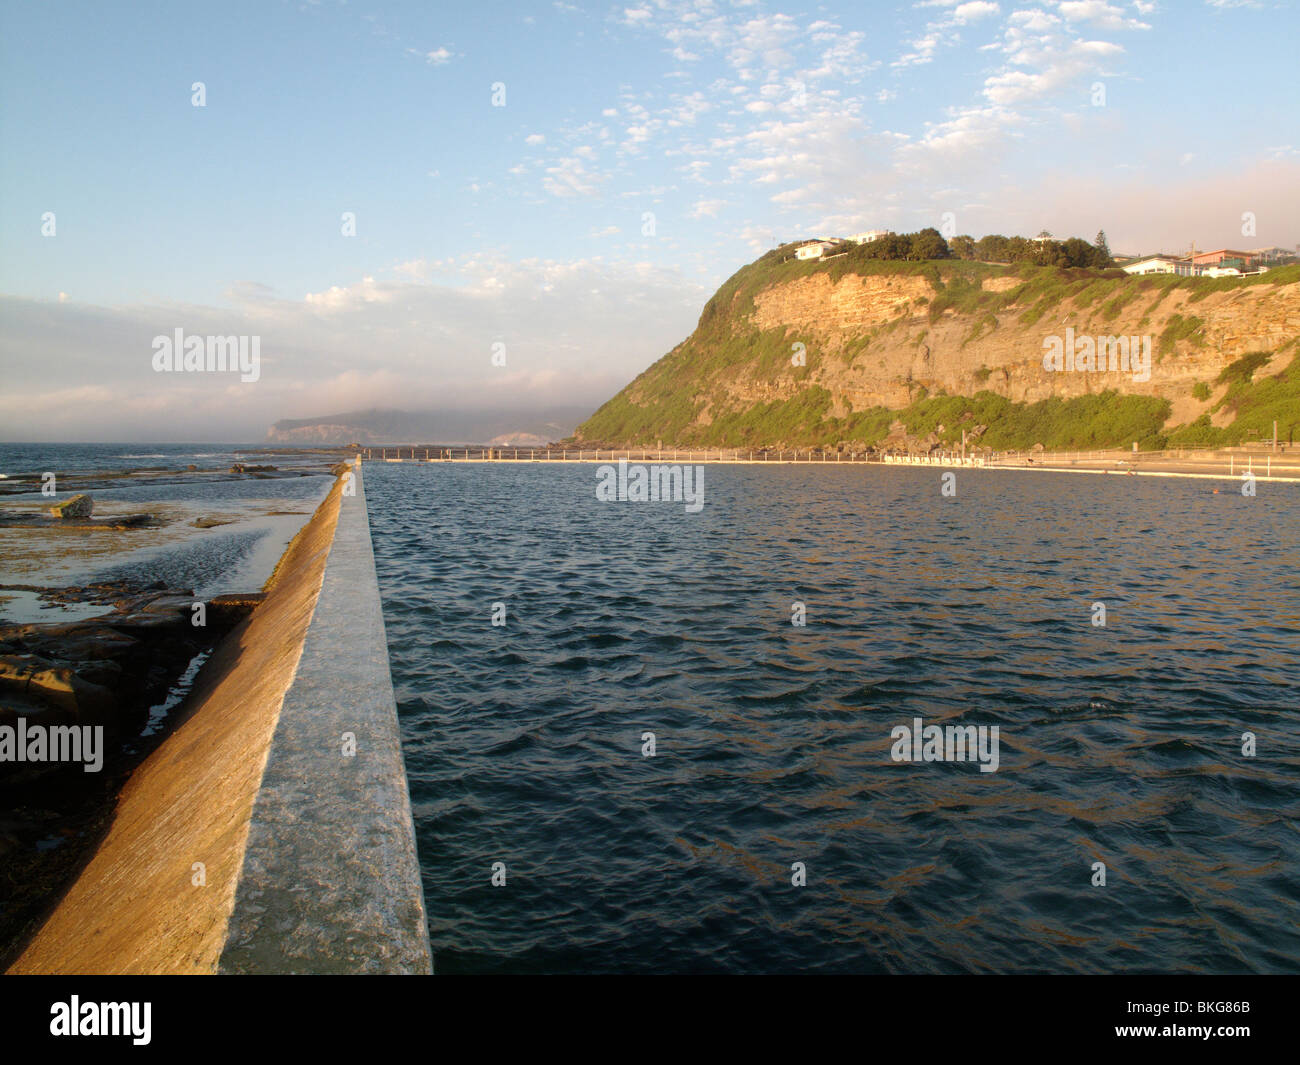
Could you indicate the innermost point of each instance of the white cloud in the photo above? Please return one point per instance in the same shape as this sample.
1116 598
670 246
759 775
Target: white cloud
1101 14
707 208
1034 21
974 10
570 177
411 345
955 142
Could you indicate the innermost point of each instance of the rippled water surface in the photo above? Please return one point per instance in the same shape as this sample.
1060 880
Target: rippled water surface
1120 744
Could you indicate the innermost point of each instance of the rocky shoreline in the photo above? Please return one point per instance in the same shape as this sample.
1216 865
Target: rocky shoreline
306 464
121 672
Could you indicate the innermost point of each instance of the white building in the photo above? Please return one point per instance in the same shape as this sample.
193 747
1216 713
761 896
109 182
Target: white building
870 235
815 249
1162 264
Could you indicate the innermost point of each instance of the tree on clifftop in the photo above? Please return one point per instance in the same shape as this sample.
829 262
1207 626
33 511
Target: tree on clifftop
963 247
929 244
1076 252
1103 256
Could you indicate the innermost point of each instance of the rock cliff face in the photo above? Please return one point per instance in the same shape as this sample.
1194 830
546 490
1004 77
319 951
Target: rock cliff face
848 337
950 354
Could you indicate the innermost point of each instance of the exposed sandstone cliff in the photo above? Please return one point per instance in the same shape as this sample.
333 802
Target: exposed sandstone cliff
845 339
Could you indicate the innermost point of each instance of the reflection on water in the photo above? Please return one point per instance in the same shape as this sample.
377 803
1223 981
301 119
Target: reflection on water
1119 744
20 606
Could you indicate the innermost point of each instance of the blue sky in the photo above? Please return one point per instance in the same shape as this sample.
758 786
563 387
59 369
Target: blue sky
733 123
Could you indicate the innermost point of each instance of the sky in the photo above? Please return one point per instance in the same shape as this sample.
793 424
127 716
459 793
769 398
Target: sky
520 205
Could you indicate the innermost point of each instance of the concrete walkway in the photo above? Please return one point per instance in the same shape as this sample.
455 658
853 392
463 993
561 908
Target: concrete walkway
331 882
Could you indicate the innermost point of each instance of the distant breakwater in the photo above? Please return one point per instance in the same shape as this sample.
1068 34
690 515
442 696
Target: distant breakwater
1278 465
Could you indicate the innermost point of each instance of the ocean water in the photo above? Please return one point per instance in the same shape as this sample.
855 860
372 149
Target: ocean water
20 458
1120 744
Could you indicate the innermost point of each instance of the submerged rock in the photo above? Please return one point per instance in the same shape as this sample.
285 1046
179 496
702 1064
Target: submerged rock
79 506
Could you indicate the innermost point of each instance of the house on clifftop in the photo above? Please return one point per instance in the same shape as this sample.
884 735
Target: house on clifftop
815 249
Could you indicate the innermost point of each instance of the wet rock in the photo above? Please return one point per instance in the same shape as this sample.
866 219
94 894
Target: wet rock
135 614
129 521
16 670
78 641
210 523
15 704
60 687
240 467
170 604
231 609
142 621
53 520
79 506
106 674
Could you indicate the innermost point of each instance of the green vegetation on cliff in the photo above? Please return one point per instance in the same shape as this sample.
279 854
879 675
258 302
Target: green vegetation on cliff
1254 402
1104 419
